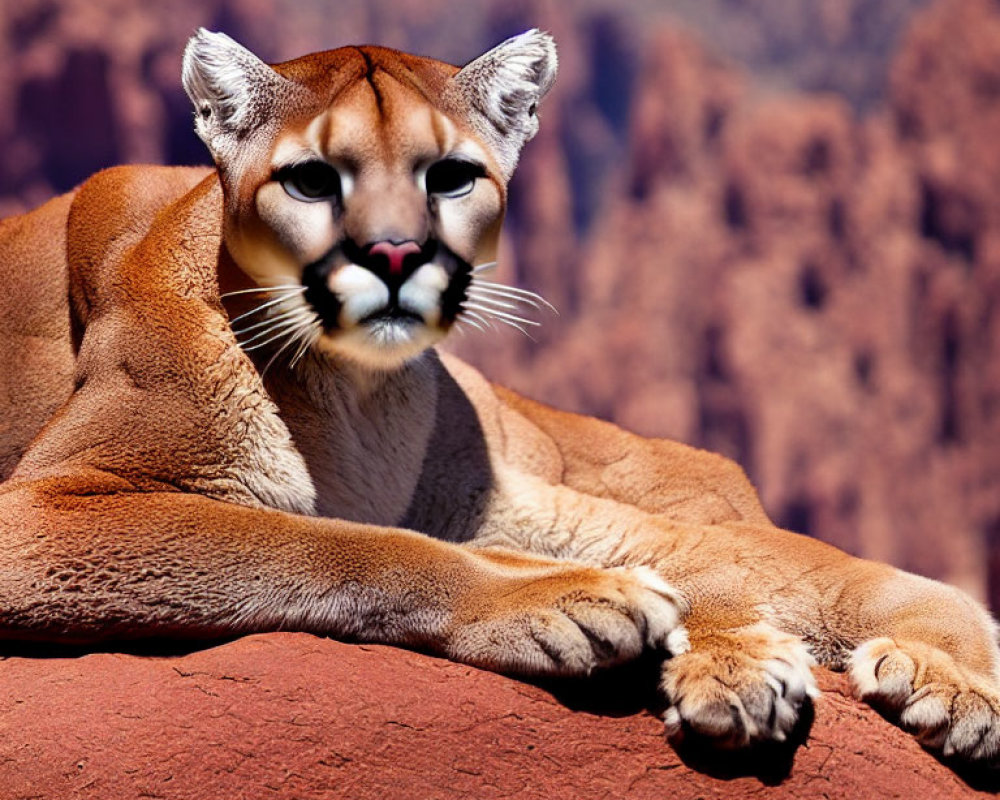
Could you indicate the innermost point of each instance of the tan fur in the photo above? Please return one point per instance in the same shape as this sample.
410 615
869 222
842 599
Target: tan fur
162 481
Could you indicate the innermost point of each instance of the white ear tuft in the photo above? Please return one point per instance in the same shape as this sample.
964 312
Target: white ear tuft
504 87
232 90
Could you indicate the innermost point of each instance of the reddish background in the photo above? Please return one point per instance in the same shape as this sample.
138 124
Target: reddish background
770 227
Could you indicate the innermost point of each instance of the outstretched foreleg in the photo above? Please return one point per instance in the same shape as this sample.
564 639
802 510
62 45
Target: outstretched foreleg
82 561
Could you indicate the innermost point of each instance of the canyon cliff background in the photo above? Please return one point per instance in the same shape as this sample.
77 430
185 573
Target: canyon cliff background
771 227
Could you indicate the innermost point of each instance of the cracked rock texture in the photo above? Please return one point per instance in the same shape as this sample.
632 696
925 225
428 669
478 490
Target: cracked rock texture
295 716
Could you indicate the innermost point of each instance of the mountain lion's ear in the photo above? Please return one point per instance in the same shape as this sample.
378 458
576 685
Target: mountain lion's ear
504 86
232 90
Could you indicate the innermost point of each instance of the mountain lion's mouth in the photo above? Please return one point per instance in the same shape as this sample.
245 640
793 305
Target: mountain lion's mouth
383 316
392 313
348 292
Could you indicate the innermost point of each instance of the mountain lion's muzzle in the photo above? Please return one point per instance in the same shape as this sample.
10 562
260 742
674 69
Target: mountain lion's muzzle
402 282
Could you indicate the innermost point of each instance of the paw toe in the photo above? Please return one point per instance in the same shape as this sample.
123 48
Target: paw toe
882 673
721 718
945 706
975 729
926 716
562 646
662 607
739 688
609 633
795 681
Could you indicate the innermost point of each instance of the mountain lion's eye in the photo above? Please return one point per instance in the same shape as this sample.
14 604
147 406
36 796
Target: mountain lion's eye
311 181
452 177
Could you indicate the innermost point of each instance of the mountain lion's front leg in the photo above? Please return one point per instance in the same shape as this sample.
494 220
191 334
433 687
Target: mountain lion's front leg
921 651
86 558
759 596
739 678
764 603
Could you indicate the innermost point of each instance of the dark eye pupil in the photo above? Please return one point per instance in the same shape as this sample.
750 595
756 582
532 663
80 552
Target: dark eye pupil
314 179
452 176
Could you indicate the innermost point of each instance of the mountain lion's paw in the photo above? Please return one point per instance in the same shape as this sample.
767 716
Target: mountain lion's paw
570 620
735 688
944 705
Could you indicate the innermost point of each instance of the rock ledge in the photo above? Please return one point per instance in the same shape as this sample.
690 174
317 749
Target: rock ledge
296 716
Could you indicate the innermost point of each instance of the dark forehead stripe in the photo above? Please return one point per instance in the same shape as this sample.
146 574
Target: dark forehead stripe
330 72
422 76
370 67
400 67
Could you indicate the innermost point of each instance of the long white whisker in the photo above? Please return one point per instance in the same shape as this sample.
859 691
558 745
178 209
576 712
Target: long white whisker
260 308
515 325
482 291
274 326
505 287
280 331
309 336
484 267
479 318
269 321
482 298
291 340
466 318
491 286
265 289
500 314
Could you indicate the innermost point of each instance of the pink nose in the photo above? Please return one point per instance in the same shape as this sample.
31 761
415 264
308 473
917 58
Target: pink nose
395 253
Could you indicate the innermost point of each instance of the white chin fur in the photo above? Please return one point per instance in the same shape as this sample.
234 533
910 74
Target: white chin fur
385 344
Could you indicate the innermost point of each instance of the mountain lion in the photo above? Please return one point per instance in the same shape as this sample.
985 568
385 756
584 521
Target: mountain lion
223 413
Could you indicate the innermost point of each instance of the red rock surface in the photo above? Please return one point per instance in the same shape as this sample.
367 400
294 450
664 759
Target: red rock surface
295 716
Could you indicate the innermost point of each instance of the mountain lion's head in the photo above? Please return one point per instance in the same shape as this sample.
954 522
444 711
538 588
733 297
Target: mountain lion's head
364 186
